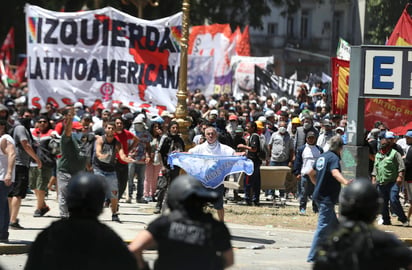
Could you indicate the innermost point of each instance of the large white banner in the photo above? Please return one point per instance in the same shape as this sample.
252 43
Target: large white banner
243 68
102 56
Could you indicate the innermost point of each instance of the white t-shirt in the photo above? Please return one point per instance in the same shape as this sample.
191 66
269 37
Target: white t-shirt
4 160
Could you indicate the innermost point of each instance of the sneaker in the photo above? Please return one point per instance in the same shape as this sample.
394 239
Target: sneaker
141 200
37 213
148 198
157 211
115 217
129 200
406 223
44 210
15 225
302 212
256 203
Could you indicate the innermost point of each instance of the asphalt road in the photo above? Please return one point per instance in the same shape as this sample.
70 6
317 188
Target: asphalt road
255 247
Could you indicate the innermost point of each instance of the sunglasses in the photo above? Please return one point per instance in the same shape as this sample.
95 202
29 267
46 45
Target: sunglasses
42 121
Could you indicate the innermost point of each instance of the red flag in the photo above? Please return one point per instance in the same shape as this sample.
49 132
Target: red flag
8 44
340 85
21 72
402 33
243 45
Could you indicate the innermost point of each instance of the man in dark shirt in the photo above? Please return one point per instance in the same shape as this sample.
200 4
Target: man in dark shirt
252 182
187 238
327 177
81 241
356 243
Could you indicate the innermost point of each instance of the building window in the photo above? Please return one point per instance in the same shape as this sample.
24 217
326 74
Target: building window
290 27
304 24
272 29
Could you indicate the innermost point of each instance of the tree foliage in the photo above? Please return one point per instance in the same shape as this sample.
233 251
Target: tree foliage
385 16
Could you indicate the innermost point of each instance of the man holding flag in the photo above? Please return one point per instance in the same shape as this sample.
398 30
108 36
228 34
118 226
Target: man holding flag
213 147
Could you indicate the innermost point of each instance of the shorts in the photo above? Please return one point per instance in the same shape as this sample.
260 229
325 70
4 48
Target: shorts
39 178
21 182
408 187
220 190
112 188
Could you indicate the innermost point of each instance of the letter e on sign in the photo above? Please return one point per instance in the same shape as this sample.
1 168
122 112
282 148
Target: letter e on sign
383 72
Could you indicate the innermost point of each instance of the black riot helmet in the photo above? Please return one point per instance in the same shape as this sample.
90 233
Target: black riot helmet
360 201
85 195
184 187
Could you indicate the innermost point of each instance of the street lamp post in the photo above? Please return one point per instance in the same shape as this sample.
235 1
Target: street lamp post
181 109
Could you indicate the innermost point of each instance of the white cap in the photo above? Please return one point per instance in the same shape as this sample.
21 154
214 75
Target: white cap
78 105
262 119
291 102
212 103
269 113
215 112
139 119
284 108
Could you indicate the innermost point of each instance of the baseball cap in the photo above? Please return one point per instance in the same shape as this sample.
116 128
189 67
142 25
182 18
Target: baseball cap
77 126
78 105
284 108
389 135
259 125
166 114
139 119
327 122
340 128
262 119
87 116
269 113
233 117
311 134
214 112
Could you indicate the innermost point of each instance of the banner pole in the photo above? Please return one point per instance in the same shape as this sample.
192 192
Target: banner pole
181 108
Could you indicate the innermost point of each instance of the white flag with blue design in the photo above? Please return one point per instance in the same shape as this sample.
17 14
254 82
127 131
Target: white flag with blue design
208 169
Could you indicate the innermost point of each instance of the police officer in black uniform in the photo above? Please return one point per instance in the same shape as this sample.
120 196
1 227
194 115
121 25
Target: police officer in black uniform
357 244
81 241
187 238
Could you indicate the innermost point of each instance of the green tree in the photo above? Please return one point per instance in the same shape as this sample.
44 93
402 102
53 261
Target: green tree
382 16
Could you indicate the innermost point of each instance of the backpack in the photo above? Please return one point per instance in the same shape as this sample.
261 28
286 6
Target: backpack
262 152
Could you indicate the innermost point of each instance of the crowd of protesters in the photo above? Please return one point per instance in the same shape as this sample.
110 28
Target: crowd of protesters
294 131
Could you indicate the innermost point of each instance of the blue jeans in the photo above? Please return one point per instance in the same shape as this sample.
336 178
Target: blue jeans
306 190
112 186
4 211
327 222
139 170
390 193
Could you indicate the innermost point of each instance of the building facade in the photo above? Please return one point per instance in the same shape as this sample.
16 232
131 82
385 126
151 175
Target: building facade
305 41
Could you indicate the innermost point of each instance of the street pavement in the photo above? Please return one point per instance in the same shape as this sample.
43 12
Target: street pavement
255 247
